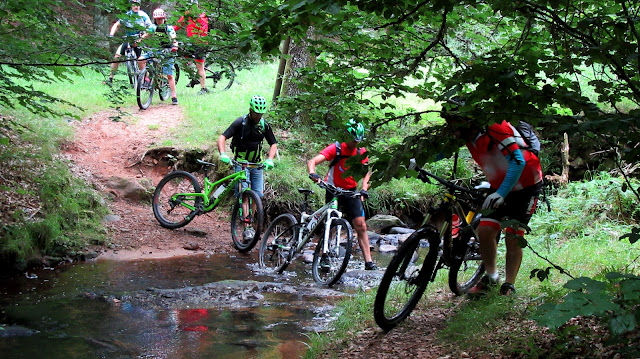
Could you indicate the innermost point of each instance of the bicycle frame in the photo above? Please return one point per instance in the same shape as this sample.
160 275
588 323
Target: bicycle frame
307 226
209 203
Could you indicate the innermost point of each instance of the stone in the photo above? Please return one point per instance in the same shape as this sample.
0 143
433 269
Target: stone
381 223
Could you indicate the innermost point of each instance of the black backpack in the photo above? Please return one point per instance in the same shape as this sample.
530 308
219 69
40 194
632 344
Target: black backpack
529 137
339 155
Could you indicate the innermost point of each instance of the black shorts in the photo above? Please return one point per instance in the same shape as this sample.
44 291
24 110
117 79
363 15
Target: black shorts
125 45
195 52
351 207
518 205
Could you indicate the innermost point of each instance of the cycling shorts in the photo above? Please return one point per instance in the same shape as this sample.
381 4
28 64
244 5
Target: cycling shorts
351 207
196 52
124 46
518 205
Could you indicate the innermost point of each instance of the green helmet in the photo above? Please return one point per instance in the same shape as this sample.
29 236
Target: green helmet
355 129
258 104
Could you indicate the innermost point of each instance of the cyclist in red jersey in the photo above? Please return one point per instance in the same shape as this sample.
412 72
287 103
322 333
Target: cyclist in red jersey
516 177
352 207
197 30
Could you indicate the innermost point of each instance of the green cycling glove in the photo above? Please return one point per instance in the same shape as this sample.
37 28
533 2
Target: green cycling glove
225 158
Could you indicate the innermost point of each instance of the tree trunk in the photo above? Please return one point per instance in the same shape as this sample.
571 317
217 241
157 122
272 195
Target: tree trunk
101 26
299 57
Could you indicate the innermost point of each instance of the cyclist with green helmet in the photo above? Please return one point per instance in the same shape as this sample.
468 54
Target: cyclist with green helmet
247 133
337 154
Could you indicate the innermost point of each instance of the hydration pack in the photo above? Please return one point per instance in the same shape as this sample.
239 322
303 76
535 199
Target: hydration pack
339 155
529 137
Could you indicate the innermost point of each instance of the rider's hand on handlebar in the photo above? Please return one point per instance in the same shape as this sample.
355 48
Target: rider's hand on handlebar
314 177
268 164
225 158
364 194
494 200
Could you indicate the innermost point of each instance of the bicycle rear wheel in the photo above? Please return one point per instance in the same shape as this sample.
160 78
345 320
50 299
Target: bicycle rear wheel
144 89
329 266
277 242
220 75
406 278
246 228
174 204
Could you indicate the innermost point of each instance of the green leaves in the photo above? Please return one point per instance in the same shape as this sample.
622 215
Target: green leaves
615 302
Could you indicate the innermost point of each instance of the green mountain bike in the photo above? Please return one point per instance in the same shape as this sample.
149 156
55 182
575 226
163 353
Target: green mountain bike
179 198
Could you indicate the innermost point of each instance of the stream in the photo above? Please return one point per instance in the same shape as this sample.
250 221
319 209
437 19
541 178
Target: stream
197 306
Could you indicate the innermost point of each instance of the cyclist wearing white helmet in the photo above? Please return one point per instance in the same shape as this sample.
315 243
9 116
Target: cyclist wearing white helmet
135 21
168 43
337 154
247 133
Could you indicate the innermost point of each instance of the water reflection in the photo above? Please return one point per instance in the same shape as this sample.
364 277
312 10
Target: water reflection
81 311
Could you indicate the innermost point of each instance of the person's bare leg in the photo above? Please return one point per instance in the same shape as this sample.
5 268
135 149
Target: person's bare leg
360 226
488 247
513 258
203 76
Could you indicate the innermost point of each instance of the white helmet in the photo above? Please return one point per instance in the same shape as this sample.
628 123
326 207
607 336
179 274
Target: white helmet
159 14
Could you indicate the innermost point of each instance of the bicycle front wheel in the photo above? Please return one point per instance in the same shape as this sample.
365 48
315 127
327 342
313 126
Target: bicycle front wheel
219 75
466 266
174 204
176 72
277 242
329 266
144 89
132 72
406 278
247 227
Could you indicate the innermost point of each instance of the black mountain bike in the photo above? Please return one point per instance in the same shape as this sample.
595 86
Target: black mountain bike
436 245
219 73
152 79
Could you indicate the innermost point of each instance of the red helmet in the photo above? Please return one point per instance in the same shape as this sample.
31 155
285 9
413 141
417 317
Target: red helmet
159 14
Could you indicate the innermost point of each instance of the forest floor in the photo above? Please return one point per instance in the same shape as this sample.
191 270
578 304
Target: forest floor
104 150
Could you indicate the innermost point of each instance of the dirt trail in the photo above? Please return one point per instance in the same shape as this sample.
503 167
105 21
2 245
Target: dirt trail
104 150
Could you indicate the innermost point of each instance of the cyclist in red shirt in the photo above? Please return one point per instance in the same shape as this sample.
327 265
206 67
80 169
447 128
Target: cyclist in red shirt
351 207
197 30
516 177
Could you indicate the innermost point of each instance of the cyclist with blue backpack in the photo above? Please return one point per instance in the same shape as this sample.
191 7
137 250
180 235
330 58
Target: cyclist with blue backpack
337 154
247 134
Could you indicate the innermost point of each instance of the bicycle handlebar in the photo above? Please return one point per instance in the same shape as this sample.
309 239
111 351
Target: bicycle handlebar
337 190
424 175
234 162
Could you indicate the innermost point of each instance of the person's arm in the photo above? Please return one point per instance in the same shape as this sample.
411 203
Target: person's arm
221 144
365 181
114 28
516 166
311 166
273 149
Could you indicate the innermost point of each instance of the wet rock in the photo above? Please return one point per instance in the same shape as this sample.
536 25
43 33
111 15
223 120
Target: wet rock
374 237
15 331
401 230
387 248
381 223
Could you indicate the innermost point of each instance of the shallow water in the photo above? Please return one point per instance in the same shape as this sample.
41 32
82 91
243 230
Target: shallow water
74 312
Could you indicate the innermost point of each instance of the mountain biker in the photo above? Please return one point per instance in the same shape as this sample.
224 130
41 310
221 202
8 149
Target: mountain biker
168 42
516 177
353 209
197 30
134 29
247 133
